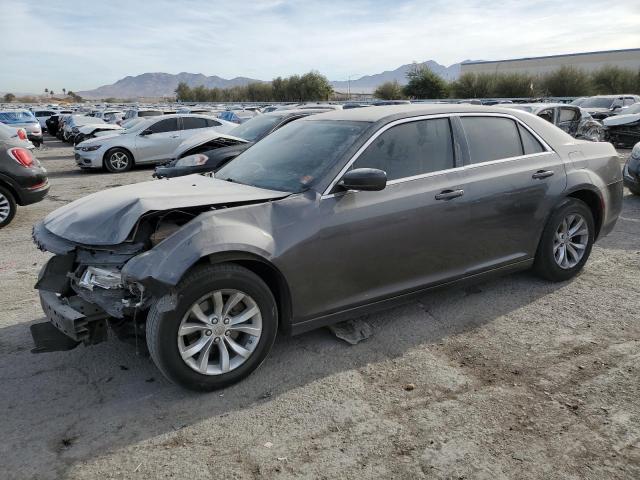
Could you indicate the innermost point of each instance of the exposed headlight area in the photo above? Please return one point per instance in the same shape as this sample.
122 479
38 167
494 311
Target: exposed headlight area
192 160
106 278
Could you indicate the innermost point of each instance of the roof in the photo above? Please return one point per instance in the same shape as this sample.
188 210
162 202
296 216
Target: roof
477 62
374 114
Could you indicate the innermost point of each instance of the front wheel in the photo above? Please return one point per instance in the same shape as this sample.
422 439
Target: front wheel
118 160
215 328
7 207
566 241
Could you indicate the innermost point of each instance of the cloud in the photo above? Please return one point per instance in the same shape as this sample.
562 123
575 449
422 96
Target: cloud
83 45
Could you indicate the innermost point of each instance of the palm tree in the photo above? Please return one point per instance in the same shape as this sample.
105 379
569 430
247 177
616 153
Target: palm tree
46 90
64 91
51 93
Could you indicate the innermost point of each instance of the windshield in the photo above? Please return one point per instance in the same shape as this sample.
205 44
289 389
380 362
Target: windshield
11 118
578 101
598 102
255 128
294 157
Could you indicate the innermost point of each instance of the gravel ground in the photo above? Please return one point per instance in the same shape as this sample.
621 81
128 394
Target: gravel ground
512 378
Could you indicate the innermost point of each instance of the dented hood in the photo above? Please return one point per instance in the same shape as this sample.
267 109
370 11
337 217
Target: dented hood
621 119
200 139
108 217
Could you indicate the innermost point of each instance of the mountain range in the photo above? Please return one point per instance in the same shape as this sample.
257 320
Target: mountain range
160 84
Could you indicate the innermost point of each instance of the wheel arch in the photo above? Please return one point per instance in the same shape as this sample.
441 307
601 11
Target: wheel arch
592 198
263 268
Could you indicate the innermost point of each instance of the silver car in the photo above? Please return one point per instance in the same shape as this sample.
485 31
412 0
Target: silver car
149 141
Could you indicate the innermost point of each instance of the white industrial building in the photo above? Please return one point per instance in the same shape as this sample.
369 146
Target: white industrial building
588 61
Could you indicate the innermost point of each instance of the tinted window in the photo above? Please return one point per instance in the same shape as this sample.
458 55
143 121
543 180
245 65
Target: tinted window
166 125
149 113
295 156
491 138
189 123
410 149
212 123
568 114
529 142
256 128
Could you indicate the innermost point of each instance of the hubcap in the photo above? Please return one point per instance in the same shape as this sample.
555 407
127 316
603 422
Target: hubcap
5 208
118 161
211 347
570 241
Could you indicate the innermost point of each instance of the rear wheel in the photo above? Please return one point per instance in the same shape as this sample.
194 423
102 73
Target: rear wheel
566 241
634 190
118 160
215 329
7 207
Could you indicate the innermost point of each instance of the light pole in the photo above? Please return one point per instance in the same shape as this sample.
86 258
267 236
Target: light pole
349 85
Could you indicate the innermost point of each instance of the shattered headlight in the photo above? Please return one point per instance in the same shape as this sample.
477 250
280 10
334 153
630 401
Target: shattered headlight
107 278
192 160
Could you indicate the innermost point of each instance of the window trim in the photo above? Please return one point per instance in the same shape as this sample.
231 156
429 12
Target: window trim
465 165
327 192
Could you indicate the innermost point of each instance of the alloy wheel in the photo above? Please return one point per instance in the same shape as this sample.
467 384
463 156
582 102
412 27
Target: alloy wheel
219 332
5 208
119 160
570 241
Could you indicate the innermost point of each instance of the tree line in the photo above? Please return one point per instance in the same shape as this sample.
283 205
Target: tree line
566 81
311 86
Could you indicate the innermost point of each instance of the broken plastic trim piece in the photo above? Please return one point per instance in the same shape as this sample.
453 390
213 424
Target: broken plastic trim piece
100 277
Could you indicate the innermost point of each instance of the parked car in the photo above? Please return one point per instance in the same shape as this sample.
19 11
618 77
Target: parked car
52 123
210 150
603 106
631 171
85 132
578 101
62 120
152 140
237 116
42 116
142 112
74 122
576 121
16 135
623 130
380 204
21 118
23 181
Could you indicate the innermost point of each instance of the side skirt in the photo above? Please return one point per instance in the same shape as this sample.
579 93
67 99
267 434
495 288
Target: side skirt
323 321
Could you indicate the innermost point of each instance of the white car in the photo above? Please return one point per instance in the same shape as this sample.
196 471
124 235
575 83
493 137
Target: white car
85 132
152 140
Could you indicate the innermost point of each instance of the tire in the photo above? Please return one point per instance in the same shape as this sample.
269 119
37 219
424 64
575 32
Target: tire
547 264
634 190
7 207
118 160
78 138
174 310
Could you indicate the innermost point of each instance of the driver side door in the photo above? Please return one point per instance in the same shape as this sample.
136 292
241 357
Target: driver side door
160 142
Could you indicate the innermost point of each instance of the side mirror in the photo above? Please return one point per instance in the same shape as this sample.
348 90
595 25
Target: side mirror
366 179
616 107
148 131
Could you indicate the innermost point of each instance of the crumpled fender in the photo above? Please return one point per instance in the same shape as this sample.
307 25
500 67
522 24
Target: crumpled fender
234 230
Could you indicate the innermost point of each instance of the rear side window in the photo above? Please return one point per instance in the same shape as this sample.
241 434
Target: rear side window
568 114
189 123
166 125
491 138
149 113
529 142
212 123
411 149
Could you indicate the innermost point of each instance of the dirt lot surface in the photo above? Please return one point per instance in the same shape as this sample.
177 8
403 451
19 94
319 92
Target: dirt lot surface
514 378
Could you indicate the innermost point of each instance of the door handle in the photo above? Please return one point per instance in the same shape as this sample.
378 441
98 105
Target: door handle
449 194
540 174
175 136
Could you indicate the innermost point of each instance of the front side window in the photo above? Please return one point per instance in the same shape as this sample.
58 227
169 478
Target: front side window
411 149
190 123
294 157
212 123
568 115
166 125
491 138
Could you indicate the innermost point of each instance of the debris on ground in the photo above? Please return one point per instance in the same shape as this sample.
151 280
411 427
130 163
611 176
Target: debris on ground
352 331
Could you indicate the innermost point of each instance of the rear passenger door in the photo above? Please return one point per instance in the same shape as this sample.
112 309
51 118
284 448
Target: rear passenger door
513 181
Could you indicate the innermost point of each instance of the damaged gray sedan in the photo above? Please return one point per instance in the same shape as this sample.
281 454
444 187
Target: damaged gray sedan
330 217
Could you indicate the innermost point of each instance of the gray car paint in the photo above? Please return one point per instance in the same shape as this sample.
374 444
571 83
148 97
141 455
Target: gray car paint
340 253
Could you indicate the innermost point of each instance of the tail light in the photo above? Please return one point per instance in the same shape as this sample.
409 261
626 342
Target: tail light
22 156
22 134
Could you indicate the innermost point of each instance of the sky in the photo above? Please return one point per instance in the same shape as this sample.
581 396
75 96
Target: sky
80 45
